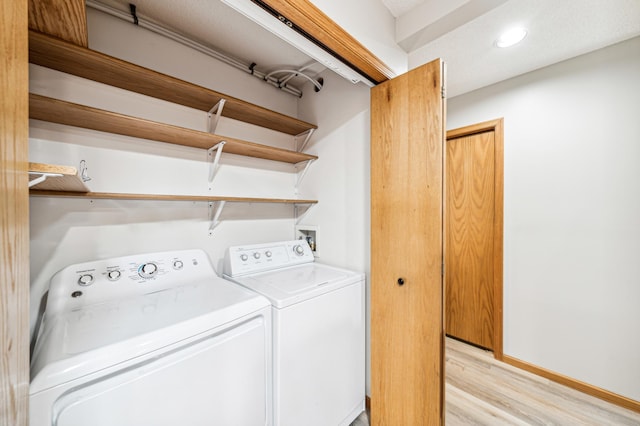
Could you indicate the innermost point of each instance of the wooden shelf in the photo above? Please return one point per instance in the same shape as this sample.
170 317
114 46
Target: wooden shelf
82 62
159 197
62 56
62 112
68 179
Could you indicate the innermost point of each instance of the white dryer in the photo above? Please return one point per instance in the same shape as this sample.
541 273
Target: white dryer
318 331
155 339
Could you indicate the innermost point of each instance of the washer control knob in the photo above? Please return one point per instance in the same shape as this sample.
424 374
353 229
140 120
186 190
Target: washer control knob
148 270
85 279
268 253
298 249
244 257
256 255
177 264
114 275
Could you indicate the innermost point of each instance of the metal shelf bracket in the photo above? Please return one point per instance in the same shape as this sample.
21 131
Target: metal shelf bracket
307 135
214 159
214 115
42 178
300 175
215 210
297 214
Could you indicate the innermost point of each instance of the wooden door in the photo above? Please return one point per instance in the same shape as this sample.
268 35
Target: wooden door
14 215
473 236
407 332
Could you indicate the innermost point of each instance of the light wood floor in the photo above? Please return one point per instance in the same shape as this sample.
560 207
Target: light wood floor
483 391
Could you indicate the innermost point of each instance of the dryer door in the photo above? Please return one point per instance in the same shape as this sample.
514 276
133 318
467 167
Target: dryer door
216 380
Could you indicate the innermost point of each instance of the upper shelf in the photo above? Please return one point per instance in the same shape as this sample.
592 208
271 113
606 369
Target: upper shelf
62 112
82 62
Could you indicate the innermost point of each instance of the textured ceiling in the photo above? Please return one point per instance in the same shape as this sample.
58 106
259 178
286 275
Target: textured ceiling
557 30
400 7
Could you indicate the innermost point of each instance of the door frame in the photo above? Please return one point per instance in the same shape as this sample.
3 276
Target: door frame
14 215
497 126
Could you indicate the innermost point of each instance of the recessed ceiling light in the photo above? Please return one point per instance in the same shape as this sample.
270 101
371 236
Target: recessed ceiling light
511 37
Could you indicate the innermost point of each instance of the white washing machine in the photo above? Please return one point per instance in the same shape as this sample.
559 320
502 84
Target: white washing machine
155 339
318 331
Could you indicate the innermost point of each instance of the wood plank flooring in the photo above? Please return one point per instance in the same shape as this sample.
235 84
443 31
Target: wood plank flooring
483 391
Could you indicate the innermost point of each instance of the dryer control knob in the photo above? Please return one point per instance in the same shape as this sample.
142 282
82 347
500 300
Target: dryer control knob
178 264
85 279
148 270
298 249
113 275
244 257
268 253
256 255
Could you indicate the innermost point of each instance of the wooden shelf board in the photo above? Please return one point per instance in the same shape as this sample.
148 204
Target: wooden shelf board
82 62
165 197
69 181
62 112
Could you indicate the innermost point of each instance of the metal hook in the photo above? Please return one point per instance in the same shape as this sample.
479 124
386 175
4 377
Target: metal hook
84 174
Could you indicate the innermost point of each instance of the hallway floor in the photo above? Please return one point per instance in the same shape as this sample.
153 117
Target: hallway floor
483 391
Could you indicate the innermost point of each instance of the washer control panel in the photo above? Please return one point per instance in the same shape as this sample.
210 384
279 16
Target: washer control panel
249 259
125 277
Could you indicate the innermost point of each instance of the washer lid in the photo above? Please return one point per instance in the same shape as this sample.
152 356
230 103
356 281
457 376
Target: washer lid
287 286
84 340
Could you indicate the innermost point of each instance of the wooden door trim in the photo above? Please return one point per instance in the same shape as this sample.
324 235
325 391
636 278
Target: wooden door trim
495 126
14 215
311 20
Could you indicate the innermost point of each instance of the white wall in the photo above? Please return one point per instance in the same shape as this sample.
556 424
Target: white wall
371 23
67 231
571 214
340 177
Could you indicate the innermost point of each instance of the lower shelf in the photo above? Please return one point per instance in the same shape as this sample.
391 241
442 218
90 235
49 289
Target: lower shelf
162 197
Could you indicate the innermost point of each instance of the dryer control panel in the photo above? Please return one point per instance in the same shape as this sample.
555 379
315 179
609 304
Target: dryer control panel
250 259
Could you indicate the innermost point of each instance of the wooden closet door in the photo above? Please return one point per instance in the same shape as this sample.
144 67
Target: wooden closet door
407 139
474 233
469 234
